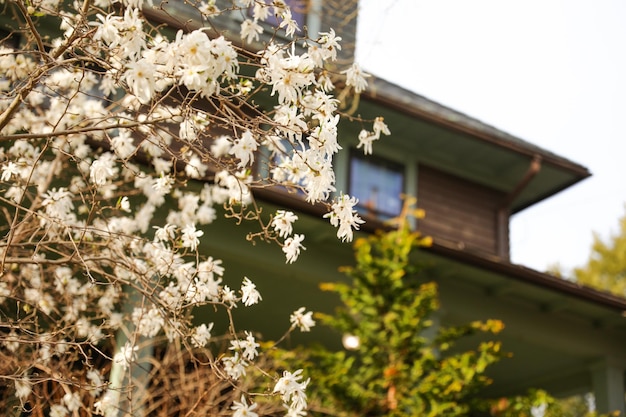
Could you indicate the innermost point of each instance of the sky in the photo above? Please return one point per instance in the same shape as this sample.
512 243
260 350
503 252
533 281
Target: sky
547 71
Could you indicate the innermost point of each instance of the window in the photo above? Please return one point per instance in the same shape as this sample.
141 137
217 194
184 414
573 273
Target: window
378 184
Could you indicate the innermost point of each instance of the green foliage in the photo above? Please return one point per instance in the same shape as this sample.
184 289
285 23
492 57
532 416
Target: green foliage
406 364
540 403
606 268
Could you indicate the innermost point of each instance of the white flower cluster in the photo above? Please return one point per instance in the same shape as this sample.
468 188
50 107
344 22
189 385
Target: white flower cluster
302 320
344 217
366 138
292 392
103 130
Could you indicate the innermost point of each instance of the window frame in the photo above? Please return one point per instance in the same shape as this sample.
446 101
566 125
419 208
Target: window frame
379 162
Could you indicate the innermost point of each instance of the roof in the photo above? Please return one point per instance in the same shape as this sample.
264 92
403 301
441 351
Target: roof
530 276
557 172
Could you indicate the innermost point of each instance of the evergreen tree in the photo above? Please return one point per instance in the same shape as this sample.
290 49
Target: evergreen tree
405 364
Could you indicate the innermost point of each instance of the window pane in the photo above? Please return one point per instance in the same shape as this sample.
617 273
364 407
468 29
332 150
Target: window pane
378 184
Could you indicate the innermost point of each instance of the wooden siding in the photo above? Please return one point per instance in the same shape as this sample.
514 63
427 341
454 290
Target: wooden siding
462 212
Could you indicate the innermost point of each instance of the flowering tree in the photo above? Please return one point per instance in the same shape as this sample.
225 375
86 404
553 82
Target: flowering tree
120 141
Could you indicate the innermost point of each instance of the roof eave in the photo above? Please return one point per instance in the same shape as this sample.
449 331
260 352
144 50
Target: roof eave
401 100
530 276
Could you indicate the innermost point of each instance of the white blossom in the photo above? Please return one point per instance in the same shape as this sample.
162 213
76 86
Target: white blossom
126 355
102 169
356 78
146 115
95 378
147 321
301 319
165 233
9 170
23 388
246 348
58 410
108 405
243 149
283 222
124 204
72 401
250 30
234 366
140 79
292 390
242 409
249 294
292 247
221 146
345 217
190 237
195 168
201 335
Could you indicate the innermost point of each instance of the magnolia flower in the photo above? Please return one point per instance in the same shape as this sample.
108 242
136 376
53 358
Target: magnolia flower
195 168
102 169
188 130
243 149
344 217
250 30
163 184
72 401
304 321
126 355
9 170
221 146
140 79
250 295
381 127
108 405
242 409
289 23
190 237
247 348
366 139
201 335
95 379
58 410
283 222
234 366
356 78
292 247
107 29
228 296
330 42
148 322
123 144
208 8
291 389
124 204
22 388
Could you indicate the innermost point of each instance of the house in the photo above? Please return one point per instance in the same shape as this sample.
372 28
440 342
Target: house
470 178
